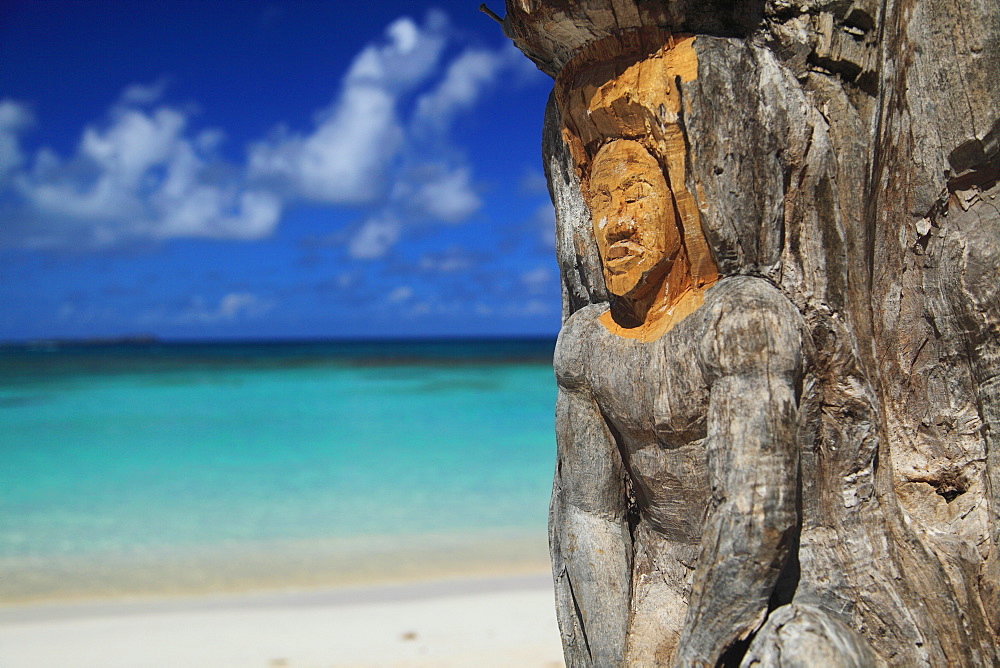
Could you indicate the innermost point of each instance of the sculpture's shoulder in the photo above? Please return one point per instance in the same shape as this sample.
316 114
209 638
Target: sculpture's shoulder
749 327
575 344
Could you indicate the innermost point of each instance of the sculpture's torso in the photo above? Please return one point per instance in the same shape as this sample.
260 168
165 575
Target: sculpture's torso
654 398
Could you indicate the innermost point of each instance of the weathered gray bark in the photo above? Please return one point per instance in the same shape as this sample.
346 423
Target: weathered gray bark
833 494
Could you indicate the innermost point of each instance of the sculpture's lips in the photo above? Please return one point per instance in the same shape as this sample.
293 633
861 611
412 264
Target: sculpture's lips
623 250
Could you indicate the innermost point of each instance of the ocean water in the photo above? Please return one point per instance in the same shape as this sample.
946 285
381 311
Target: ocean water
126 468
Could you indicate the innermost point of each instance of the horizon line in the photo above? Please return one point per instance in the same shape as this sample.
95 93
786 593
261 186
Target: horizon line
151 339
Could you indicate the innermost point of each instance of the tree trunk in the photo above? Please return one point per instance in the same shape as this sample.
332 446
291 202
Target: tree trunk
779 420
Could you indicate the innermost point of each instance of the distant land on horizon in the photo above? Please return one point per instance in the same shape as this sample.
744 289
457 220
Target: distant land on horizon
150 339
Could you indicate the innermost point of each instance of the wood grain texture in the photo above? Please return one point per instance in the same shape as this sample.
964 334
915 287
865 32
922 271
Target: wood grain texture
804 469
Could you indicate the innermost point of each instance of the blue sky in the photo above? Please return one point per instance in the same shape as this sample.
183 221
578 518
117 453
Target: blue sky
259 169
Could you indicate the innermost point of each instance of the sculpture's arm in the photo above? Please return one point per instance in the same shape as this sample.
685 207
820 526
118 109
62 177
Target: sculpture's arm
753 359
588 532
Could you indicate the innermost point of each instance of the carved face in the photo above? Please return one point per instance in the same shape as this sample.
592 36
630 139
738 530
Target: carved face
633 215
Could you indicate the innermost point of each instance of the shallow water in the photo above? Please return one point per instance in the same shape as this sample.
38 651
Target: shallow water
154 454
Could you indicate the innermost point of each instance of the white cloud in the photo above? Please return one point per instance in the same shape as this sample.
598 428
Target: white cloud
440 193
400 294
141 175
134 143
533 182
231 307
374 237
364 149
382 146
140 94
406 59
453 259
536 307
14 119
242 303
422 308
536 278
466 78
209 212
543 220
345 159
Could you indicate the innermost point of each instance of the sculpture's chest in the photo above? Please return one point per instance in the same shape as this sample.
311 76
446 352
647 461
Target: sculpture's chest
651 390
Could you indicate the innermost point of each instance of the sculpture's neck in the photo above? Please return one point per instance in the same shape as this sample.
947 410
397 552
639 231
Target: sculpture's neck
648 314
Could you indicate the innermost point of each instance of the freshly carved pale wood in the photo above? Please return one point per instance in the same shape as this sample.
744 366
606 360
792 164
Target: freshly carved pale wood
621 125
795 463
634 94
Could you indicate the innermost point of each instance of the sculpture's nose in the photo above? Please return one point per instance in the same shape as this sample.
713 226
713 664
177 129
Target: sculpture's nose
620 228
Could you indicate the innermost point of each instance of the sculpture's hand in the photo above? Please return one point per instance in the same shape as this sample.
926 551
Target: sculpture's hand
753 357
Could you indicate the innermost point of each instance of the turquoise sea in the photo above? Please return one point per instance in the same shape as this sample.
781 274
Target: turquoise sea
162 468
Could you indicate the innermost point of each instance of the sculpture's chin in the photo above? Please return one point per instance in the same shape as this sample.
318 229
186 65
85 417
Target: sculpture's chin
621 285
637 283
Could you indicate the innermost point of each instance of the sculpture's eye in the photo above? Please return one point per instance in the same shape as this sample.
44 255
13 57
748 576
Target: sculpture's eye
637 191
601 199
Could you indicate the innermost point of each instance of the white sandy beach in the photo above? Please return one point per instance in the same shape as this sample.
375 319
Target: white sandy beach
506 621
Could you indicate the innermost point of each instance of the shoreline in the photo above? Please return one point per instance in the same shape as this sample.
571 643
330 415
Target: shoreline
456 621
272 566
351 595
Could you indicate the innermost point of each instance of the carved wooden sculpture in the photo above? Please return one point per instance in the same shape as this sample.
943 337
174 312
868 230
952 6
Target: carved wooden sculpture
778 369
